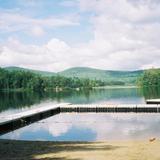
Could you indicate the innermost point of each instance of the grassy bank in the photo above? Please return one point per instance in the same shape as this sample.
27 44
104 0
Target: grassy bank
112 150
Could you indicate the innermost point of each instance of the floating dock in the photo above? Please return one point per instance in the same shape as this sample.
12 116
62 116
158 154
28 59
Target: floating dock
19 120
121 108
15 121
153 101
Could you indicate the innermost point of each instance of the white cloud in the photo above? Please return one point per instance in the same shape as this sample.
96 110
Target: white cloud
69 3
52 56
37 31
125 31
56 45
11 22
126 36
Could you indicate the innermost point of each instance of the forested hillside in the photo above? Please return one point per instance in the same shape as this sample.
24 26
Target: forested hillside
150 77
109 77
42 73
25 80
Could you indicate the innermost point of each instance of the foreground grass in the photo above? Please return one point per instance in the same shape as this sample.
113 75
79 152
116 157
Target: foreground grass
123 150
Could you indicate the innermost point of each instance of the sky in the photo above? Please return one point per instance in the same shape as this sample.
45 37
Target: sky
54 35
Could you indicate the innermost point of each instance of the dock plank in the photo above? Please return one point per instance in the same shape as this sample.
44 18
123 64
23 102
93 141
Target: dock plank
18 120
5 119
153 101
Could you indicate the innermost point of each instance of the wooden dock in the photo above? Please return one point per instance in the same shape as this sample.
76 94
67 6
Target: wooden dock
121 108
15 121
153 101
19 120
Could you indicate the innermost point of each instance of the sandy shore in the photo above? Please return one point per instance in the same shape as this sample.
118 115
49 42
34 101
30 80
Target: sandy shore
111 150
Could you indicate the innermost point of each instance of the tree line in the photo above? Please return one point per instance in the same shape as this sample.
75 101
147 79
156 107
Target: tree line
150 77
26 80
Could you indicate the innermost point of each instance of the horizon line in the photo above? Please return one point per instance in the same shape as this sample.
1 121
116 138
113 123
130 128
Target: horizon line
78 67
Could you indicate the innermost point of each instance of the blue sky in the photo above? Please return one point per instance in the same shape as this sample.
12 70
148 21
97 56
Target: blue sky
54 35
43 9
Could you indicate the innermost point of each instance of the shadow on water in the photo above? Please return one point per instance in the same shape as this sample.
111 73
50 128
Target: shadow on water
52 150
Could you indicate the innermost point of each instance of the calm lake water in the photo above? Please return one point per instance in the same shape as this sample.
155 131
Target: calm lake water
83 126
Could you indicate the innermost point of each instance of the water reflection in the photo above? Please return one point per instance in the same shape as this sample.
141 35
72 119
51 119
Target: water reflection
15 100
10 101
151 92
91 127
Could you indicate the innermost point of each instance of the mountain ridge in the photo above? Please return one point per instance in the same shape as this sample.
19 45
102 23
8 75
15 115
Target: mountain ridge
43 73
129 77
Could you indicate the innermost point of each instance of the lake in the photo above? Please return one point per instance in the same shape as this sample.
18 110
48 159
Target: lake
83 126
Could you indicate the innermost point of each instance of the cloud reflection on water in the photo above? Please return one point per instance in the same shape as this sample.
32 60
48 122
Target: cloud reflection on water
96 126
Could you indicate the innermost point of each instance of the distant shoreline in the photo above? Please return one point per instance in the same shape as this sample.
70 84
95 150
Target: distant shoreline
71 89
115 87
